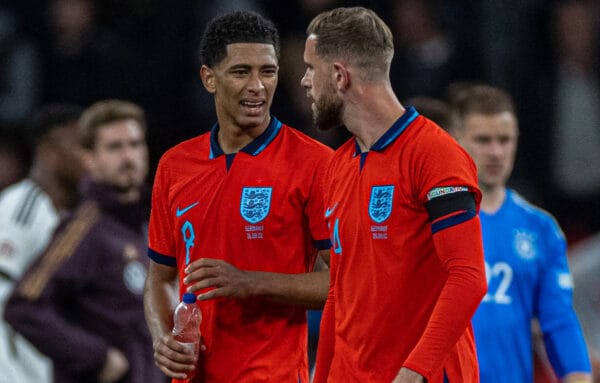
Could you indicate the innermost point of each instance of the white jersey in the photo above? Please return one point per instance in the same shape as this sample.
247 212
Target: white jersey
27 221
585 265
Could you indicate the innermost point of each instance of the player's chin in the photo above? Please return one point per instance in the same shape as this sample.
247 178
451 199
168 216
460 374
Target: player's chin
493 181
129 183
253 120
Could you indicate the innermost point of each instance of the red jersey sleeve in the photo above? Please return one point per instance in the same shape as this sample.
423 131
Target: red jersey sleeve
461 251
315 207
161 247
447 169
327 331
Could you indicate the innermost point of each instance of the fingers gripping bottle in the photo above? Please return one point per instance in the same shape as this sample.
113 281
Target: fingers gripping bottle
186 324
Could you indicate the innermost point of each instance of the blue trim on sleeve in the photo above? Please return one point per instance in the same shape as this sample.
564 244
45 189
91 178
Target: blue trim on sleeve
162 259
323 244
567 350
452 221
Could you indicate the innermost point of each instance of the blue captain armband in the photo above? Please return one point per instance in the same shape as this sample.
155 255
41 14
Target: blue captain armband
449 206
322 244
162 259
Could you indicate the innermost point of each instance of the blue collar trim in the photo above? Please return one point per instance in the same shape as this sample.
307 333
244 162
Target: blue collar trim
253 148
393 132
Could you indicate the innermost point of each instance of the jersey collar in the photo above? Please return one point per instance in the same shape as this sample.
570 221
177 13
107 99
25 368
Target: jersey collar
254 147
393 132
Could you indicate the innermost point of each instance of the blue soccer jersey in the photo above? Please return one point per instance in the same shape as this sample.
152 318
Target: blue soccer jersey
528 277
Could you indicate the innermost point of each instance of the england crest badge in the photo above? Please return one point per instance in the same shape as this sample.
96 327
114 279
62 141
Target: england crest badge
380 203
255 203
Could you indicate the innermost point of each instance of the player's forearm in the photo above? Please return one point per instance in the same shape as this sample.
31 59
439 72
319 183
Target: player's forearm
461 252
326 344
449 321
159 303
307 289
565 344
406 375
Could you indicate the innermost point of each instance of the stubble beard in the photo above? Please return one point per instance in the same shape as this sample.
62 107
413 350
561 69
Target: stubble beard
327 113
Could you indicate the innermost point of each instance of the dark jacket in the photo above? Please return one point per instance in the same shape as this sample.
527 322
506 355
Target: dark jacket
85 293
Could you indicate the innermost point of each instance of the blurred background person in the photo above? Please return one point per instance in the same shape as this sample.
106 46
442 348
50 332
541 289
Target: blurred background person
525 254
82 60
81 302
554 78
435 109
427 55
524 46
585 266
15 155
30 211
19 70
575 138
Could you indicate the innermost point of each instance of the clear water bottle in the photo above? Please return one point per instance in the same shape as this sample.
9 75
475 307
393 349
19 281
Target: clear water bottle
186 323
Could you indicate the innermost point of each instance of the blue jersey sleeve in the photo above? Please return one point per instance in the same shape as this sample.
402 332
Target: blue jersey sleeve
563 336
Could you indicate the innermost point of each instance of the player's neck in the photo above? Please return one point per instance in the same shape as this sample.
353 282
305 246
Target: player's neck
61 197
370 112
233 137
492 198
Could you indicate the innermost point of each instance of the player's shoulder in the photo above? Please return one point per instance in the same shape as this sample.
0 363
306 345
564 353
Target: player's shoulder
527 207
531 212
345 151
89 220
427 135
427 143
303 141
23 202
18 188
186 149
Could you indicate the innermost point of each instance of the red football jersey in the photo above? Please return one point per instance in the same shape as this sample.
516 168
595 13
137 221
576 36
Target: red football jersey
387 273
259 209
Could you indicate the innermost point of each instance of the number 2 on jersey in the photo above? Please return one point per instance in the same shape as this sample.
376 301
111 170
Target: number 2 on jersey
504 272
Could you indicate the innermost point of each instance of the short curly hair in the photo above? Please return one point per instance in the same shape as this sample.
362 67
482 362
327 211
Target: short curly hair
235 27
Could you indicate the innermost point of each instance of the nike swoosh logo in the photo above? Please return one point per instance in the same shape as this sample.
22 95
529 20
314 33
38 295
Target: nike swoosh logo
330 210
181 212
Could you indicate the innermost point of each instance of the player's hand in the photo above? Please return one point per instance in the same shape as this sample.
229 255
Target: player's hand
224 279
115 366
173 359
408 376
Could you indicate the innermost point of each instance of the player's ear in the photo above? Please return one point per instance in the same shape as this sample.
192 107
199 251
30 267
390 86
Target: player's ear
88 160
341 76
208 78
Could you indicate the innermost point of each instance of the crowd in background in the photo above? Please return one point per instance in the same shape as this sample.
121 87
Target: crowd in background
545 53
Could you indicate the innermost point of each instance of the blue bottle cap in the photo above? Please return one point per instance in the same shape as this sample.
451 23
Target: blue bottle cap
189 298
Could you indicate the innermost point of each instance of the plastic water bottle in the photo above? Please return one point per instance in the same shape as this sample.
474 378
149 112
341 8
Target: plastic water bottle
186 323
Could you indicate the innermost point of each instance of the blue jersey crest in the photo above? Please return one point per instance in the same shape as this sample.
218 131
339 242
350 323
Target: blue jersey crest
380 204
255 203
